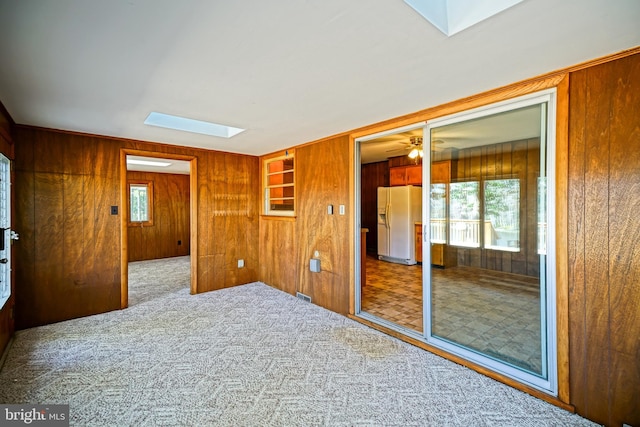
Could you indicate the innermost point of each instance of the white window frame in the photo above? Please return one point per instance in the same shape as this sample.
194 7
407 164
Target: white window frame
267 188
547 383
5 212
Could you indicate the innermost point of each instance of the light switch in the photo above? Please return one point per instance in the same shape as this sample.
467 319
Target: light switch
341 210
330 210
314 265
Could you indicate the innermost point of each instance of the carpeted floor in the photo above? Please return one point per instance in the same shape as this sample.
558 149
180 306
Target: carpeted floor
247 356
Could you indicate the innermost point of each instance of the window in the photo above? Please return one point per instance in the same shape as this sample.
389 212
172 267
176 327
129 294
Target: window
279 188
5 236
438 213
140 203
464 214
502 214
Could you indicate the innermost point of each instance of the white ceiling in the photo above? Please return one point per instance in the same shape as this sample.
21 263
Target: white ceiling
289 71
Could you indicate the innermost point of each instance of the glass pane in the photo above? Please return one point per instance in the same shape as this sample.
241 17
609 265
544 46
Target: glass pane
464 226
139 203
280 165
488 294
283 178
502 214
281 199
438 213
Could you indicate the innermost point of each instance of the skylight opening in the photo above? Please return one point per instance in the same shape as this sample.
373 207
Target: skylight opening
453 16
190 125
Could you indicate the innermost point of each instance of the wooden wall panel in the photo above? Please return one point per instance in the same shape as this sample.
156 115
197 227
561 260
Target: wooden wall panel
7 310
69 248
604 237
278 250
170 222
372 176
322 180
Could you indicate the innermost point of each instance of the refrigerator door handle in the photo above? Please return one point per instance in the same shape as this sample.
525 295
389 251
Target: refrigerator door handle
388 215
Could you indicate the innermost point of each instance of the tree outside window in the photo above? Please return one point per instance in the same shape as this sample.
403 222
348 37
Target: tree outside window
141 203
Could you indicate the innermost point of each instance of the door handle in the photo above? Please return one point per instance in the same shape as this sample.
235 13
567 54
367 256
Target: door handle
4 261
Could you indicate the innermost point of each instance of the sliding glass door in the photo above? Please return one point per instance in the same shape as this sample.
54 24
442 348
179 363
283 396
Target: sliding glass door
489 287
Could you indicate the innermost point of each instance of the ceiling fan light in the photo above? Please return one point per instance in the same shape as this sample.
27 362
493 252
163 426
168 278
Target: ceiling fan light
414 153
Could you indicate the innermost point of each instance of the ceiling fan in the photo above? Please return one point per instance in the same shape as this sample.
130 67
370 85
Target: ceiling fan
414 145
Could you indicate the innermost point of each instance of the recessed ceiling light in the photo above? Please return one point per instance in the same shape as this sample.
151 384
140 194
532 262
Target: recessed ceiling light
453 16
147 163
190 125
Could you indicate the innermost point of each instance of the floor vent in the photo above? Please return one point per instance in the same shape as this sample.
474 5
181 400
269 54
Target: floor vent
303 297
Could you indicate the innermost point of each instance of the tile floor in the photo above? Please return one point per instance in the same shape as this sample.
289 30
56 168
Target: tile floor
494 313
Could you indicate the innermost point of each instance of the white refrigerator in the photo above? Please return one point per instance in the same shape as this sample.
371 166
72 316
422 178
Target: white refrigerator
399 208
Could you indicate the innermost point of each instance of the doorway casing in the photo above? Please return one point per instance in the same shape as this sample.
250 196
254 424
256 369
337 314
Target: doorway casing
193 218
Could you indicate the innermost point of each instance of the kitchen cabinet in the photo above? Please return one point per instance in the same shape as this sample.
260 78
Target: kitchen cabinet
418 237
437 249
405 175
437 254
441 172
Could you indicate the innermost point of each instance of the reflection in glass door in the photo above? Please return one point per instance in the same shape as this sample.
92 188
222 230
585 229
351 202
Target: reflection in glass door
489 296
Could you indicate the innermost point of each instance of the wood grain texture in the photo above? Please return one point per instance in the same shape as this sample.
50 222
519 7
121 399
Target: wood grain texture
171 219
70 243
321 181
372 176
562 260
604 294
278 250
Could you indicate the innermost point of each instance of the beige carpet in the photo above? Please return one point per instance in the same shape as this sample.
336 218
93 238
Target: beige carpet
247 356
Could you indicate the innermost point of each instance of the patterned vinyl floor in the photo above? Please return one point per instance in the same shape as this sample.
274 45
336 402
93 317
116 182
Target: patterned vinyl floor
497 314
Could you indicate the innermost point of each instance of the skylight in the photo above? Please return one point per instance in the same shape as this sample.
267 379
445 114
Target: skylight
190 125
453 16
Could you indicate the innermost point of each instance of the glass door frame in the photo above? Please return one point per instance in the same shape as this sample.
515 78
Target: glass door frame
357 238
549 384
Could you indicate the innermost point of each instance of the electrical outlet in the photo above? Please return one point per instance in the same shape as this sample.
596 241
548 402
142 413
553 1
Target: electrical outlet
240 263
341 209
114 210
179 242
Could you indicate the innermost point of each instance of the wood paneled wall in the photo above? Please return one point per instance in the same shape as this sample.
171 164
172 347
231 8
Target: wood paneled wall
372 176
278 248
169 235
287 244
7 311
604 241
517 159
322 180
69 247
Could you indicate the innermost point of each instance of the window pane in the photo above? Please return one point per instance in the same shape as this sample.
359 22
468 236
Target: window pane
139 203
281 178
438 213
279 186
502 214
464 227
280 165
